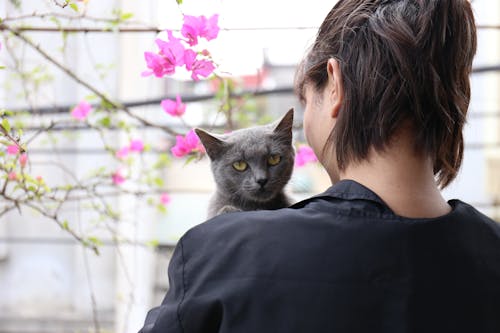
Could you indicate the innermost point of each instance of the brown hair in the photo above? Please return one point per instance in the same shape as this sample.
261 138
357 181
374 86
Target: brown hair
401 60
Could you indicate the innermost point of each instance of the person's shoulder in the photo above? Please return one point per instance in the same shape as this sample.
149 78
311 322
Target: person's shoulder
468 214
468 211
244 224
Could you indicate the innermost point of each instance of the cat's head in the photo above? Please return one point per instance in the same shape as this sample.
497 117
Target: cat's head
252 163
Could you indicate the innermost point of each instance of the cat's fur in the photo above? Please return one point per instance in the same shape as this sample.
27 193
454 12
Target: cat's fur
261 185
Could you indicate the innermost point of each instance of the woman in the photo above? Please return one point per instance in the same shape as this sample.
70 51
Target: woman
386 91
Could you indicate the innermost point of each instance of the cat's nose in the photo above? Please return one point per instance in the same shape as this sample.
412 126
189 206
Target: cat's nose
262 181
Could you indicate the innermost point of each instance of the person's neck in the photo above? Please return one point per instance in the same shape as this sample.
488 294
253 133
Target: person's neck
402 179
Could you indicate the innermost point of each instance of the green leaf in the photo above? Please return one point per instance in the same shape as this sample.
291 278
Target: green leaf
153 243
95 241
106 122
55 20
6 125
159 182
162 162
123 125
107 105
65 225
179 2
126 16
74 6
161 208
190 159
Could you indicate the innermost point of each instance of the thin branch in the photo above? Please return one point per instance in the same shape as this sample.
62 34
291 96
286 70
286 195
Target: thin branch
85 30
40 131
113 104
56 219
6 210
62 5
12 139
78 17
93 301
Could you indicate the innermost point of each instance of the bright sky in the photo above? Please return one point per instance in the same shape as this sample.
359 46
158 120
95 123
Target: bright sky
241 52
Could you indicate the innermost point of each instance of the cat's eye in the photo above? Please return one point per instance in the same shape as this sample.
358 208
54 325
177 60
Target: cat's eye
274 159
240 165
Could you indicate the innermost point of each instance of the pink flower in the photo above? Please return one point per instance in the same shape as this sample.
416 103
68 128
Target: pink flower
12 149
174 108
195 27
170 56
23 159
187 144
173 50
136 145
81 111
197 67
165 199
39 179
118 177
122 152
304 155
12 175
156 63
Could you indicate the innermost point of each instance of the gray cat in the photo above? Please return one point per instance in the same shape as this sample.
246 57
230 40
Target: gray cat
250 166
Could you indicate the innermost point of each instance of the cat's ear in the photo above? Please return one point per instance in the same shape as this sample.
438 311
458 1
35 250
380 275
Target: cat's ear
284 127
213 145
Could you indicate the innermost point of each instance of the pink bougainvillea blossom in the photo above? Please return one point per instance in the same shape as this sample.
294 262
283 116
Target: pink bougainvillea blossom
211 29
12 149
173 50
170 56
81 111
201 67
197 67
122 152
23 159
304 155
187 144
118 177
174 108
12 175
165 199
136 145
200 26
156 63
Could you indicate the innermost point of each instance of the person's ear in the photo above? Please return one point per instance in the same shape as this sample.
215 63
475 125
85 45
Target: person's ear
335 86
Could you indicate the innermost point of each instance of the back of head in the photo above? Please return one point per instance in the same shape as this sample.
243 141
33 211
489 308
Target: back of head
402 62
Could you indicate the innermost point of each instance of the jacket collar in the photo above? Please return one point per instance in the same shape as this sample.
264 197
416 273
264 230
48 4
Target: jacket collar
351 190
347 190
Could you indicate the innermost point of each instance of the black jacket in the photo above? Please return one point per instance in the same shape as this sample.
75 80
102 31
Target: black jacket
338 262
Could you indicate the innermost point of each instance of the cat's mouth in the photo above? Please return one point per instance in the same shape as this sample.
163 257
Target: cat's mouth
262 194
